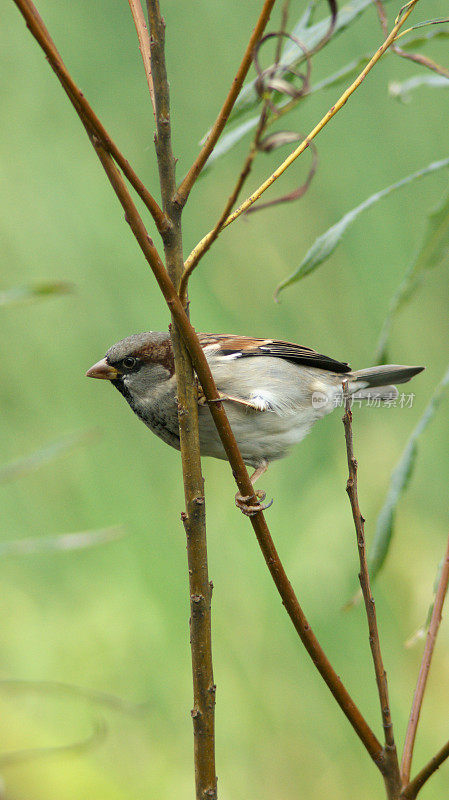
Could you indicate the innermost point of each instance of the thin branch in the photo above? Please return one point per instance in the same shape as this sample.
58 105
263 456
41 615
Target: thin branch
381 675
144 45
240 472
418 58
194 518
186 185
411 790
316 130
425 669
36 26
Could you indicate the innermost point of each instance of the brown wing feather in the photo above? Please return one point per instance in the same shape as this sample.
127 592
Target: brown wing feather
244 346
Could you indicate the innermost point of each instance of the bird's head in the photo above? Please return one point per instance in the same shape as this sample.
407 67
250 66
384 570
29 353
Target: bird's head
137 365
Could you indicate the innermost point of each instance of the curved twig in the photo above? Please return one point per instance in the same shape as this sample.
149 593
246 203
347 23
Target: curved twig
267 79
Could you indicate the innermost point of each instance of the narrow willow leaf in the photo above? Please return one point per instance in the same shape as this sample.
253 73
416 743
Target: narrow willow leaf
402 91
21 294
326 244
433 252
62 542
399 480
23 466
423 39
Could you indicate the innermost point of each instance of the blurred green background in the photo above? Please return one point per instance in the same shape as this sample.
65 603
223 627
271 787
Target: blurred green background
114 618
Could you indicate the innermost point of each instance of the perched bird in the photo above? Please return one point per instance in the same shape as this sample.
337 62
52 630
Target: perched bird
274 391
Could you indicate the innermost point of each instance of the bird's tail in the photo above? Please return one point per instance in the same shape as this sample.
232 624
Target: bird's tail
382 379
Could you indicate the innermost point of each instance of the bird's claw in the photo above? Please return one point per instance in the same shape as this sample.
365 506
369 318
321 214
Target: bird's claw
248 509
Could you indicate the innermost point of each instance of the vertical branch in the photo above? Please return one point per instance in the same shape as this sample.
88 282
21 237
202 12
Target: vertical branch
392 777
424 669
194 518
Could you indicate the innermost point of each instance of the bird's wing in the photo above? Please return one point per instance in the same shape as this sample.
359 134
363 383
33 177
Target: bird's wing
244 346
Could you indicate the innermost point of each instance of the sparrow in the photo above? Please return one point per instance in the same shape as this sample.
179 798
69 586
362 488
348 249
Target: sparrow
274 391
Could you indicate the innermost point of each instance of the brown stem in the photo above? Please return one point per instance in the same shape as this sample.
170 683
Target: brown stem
186 185
392 776
194 518
412 789
36 26
244 484
144 45
425 669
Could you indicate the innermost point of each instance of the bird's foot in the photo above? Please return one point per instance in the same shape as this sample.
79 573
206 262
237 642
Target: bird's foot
248 509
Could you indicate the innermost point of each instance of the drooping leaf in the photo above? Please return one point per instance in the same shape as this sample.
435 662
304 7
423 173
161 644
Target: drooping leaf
23 466
402 91
22 294
326 244
399 480
309 36
61 542
433 252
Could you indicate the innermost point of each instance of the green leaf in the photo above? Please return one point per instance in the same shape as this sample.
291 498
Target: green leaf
402 91
423 39
399 480
327 243
433 252
21 294
23 466
61 542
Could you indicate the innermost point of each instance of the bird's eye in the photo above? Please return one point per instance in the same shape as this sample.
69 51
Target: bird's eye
129 362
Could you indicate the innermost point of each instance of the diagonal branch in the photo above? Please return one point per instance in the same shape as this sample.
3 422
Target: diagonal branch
392 776
425 669
204 243
186 185
411 790
36 26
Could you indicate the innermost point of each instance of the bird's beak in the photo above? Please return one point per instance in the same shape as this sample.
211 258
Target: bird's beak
102 370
